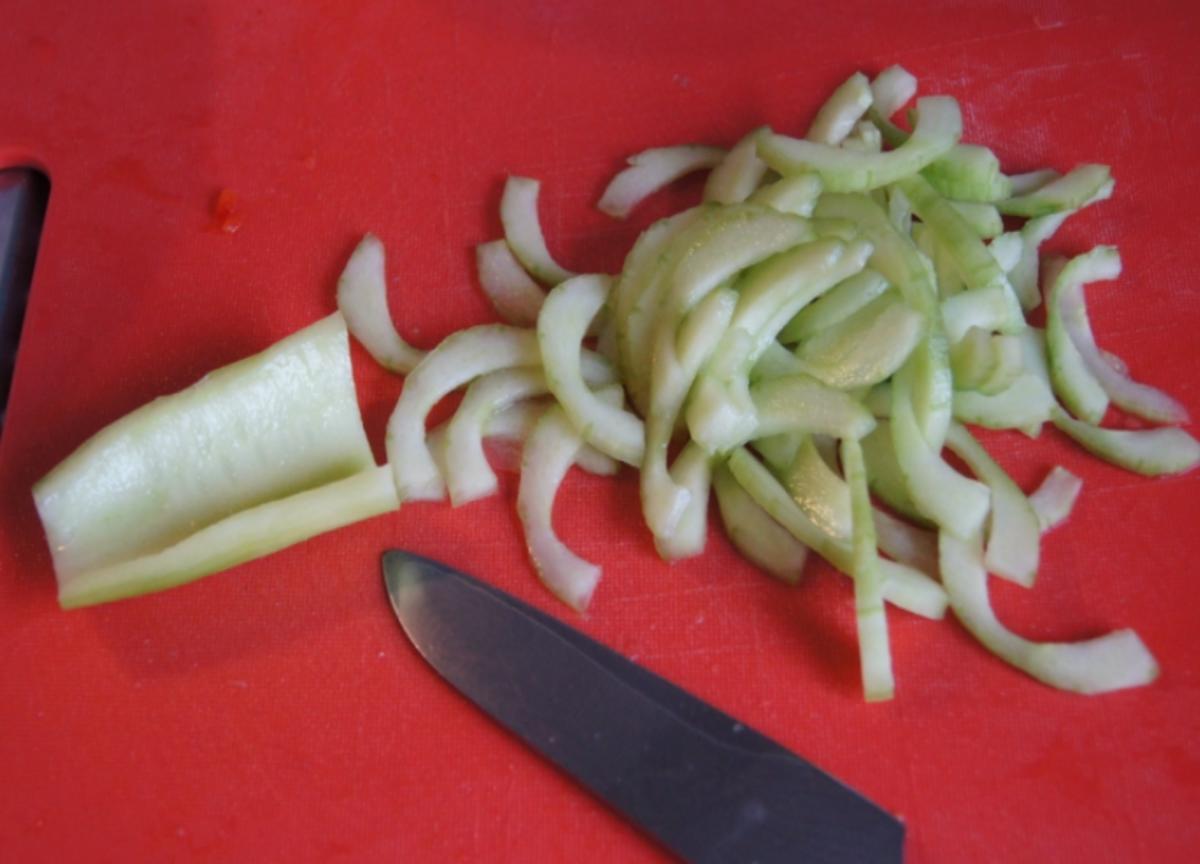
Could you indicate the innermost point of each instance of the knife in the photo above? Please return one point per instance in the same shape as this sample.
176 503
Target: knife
23 194
707 787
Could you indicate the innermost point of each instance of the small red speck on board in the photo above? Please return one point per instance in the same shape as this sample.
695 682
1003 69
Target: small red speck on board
226 216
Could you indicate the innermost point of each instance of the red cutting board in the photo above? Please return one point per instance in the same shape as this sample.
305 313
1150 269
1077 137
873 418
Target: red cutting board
276 712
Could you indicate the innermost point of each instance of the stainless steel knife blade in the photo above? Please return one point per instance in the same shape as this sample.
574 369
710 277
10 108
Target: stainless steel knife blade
23 193
707 787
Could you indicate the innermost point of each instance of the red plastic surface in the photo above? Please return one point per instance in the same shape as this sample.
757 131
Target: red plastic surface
276 712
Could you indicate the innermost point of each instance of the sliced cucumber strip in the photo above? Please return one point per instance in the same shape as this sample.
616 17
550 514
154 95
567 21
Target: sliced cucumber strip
635 298
904 587
565 318
819 491
873 645
523 230
1014 533
1145 401
800 403
467 472
1151 452
652 170
1073 382
978 267
752 531
968 172
738 174
549 452
843 300
271 426
1030 181
459 359
720 414
892 89
954 502
797 194
1111 662
691 471
906 543
362 300
513 294
984 219
1069 192
1054 499
1025 404
884 474
714 250
778 451
865 347
864 138
939 126
836 118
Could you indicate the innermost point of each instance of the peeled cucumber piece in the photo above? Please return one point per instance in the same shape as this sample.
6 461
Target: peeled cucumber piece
275 425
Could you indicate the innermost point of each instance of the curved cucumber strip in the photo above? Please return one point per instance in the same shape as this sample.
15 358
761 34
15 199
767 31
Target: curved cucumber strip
1111 662
1025 404
737 175
899 261
987 362
1151 452
843 300
800 403
975 263
636 294
565 318
271 426
691 471
984 219
549 452
873 646
1031 181
523 230
1073 381
884 474
954 502
1007 249
906 543
192 458
988 309
1054 499
650 171
720 414
892 89
713 251
760 539
1014 533
1024 273
866 347
1140 399
468 474
836 118
461 357
513 294
362 300
1066 193
904 587
465 466
865 138
819 492
969 172
939 126
796 194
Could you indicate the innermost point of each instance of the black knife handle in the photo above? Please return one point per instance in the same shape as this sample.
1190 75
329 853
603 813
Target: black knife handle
24 193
